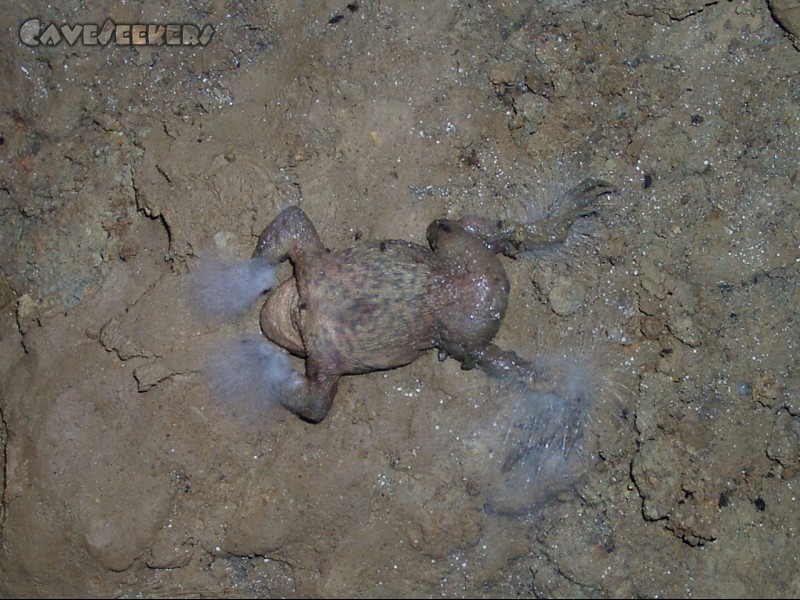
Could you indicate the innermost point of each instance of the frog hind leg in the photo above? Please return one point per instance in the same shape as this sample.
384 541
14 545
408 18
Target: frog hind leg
287 236
312 396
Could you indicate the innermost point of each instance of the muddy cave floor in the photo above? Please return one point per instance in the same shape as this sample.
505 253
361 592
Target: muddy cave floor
674 309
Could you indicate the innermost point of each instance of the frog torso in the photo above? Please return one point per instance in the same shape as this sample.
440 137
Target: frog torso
381 304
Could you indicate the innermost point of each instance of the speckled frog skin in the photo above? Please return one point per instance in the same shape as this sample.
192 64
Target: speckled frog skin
381 304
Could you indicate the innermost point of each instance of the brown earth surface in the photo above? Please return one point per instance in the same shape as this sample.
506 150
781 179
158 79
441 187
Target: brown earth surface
123 477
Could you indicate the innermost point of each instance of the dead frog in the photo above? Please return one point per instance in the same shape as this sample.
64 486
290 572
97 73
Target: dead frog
381 304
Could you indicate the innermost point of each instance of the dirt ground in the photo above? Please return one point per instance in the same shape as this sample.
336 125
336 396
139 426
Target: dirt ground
676 305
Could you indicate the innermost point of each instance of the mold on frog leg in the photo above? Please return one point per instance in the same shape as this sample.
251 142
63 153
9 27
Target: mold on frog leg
544 375
586 192
542 420
512 238
579 201
311 400
250 375
508 365
289 234
220 289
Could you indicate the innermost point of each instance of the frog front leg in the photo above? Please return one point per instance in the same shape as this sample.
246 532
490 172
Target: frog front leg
507 365
512 238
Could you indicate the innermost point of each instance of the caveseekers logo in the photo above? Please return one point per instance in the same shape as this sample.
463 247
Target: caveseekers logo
36 33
